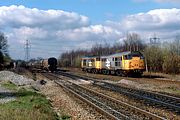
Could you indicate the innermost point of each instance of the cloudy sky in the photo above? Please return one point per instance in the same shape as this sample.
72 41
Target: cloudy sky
56 26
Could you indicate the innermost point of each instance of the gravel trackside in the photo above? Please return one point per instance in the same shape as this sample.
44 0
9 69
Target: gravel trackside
66 104
6 95
18 80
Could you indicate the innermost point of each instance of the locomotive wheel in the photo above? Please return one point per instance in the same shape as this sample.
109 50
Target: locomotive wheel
94 71
104 72
120 73
89 70
107 72
100 71
138 74
112 72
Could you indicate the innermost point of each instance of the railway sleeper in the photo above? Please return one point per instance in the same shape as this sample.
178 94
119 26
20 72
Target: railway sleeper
151 101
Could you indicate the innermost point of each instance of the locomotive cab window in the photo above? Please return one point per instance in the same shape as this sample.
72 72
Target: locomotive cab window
97 59
103 59
137 54
127 57
84 62
92 60
141 57
117 61
133 54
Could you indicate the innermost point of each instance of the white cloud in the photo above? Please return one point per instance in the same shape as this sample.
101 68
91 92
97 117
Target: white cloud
154 19
85 37
162 21
39 26
17 16
52 32
168 1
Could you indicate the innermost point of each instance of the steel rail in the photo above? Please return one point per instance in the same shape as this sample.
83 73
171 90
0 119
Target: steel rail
88 102
169 102
130 108
75 93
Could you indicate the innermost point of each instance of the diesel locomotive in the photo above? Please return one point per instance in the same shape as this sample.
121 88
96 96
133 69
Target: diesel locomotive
122 64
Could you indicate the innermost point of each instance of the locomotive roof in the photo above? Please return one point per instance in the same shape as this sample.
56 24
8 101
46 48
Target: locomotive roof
117 54
86 57
112 55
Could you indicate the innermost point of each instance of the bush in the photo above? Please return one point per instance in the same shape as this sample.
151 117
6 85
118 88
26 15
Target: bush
171 64
154 58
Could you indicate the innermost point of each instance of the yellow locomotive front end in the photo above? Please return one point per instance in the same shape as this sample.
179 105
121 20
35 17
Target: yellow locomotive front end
133 63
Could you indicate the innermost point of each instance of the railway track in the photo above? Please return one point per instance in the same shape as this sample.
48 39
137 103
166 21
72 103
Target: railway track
112 108
154 99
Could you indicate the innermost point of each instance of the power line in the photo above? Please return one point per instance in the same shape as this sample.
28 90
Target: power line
27 50
154 40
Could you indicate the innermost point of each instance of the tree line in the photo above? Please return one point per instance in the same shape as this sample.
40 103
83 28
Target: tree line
164 57
4 56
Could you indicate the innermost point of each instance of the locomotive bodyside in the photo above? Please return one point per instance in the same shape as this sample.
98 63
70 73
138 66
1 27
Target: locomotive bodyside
120 63
90 64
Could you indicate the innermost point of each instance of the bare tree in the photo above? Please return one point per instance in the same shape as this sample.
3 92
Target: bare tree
133 42
3 44
3 48
1 58
176 45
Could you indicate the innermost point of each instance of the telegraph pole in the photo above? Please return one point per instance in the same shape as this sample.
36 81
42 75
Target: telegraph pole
154 41
27 47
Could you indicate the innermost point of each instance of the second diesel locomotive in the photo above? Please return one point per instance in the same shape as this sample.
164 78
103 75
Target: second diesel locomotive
122 64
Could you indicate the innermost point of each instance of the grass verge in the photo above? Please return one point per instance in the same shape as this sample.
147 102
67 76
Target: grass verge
9 85
28 106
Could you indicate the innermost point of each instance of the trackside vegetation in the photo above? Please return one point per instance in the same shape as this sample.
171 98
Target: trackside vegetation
29 105
159 56
9 85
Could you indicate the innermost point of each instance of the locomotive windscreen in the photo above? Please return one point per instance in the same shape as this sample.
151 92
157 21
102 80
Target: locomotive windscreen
133 54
